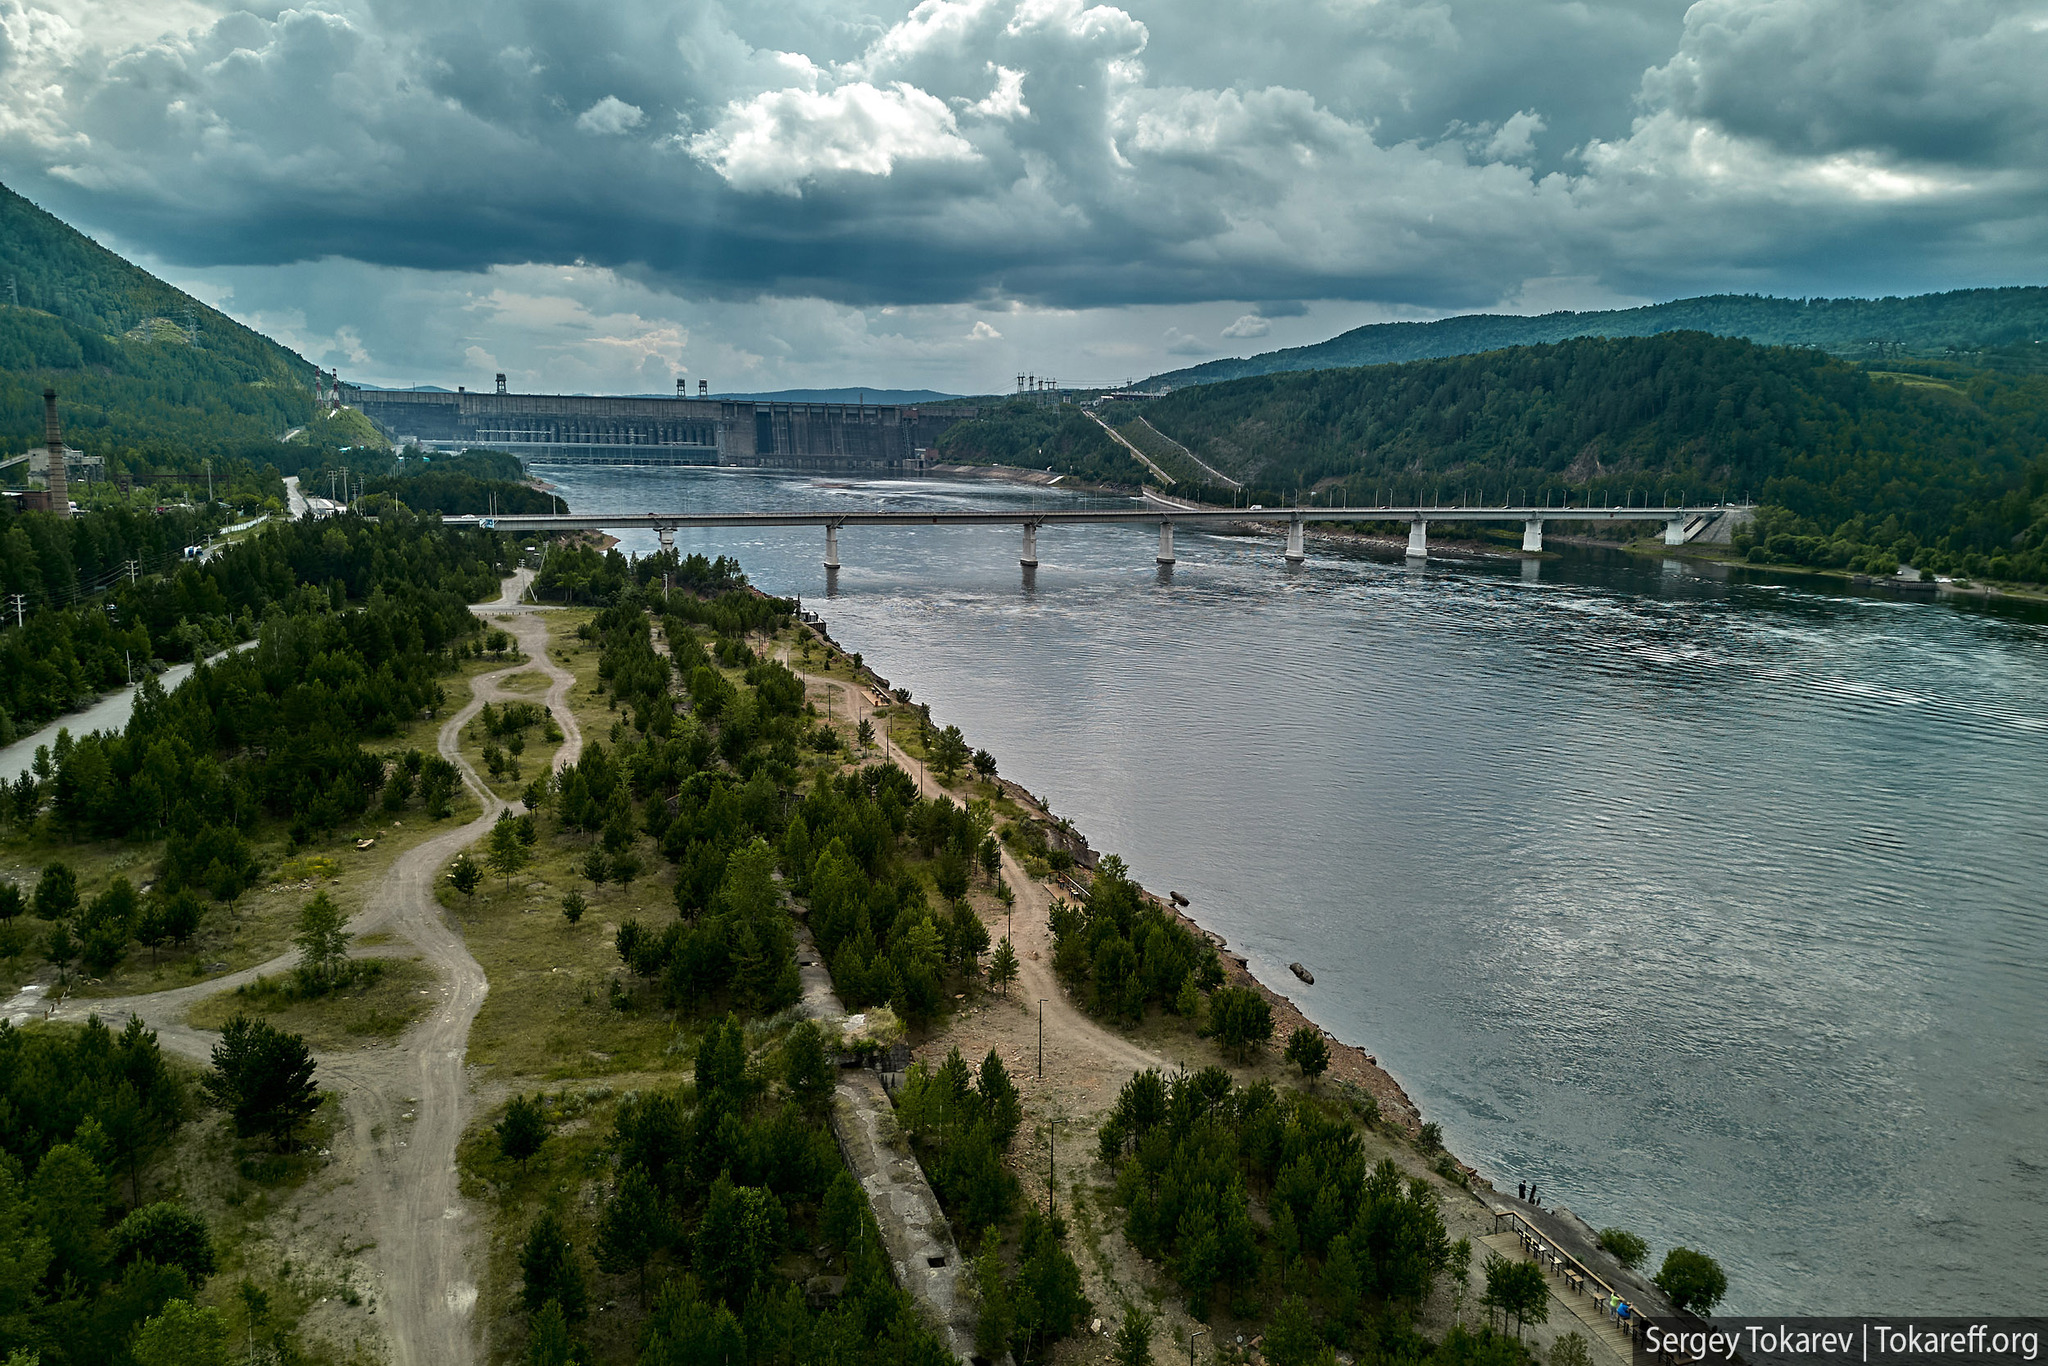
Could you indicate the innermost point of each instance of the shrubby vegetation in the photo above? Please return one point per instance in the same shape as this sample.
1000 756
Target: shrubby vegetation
1122 955
1190 1152
723 1197
473 482
714 1188
412 577
962 1121
85 1115
582 573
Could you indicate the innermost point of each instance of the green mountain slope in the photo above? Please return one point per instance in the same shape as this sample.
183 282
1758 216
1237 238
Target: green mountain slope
144 372
1853 466
1993 328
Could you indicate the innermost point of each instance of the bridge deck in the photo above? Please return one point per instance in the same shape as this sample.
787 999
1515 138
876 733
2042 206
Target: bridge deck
595 521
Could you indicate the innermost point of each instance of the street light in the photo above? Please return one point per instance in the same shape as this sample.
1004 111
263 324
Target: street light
1199 1332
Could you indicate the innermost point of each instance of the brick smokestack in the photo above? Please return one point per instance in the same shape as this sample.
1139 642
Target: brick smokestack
60 494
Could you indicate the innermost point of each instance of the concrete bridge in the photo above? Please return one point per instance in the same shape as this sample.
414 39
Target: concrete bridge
1681 524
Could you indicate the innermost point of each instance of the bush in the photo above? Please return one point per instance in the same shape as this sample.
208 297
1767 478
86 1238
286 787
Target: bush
1626 1248
1309 1051
1241 1020
1693 1281
523 1129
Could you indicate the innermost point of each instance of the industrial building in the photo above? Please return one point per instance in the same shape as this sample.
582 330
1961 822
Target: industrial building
583 429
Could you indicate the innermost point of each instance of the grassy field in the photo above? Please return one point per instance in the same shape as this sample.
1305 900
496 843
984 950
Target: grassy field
260 923
392 993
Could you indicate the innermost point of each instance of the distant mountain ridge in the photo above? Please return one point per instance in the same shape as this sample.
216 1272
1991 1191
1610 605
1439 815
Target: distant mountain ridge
1973 320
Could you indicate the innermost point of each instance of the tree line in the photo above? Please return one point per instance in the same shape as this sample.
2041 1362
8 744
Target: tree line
62 656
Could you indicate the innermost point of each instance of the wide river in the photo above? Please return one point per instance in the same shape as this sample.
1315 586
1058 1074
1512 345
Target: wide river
1714 907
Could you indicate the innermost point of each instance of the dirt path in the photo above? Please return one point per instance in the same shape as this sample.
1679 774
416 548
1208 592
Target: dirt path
394 1182
1086 1063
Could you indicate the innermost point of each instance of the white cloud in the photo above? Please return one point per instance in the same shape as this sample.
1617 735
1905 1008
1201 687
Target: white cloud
1246 326
1516 138
780 139
610 117
1006 101
983 332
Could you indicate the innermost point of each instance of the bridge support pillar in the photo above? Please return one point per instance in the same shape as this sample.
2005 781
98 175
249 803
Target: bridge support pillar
667 536
1029 559
1418 539
1532 534
1295 554
1165 543
1674 531
831 545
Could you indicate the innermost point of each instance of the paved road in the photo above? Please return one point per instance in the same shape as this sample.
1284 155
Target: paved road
423 1233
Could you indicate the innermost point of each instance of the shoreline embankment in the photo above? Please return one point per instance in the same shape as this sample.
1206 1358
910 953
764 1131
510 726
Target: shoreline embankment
1351 1064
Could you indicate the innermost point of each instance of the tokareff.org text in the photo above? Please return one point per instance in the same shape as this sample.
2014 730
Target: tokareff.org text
1874 1341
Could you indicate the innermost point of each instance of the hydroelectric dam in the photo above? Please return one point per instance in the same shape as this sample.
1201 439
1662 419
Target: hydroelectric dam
597 429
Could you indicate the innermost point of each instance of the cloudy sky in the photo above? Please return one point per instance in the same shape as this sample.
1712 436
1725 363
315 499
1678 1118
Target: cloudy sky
607 194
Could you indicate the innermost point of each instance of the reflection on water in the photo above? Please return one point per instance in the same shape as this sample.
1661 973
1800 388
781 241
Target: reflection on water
1711 903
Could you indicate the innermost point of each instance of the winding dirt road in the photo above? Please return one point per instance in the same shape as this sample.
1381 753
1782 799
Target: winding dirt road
405 1108
1086 1063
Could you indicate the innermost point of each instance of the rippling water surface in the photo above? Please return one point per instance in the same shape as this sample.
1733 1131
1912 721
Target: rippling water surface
1716 908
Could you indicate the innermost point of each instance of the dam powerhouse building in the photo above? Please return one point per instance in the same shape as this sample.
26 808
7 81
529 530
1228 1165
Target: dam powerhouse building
581 429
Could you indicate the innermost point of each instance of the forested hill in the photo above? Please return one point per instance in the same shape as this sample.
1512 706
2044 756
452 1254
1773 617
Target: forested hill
1995 328
140 367
1865 459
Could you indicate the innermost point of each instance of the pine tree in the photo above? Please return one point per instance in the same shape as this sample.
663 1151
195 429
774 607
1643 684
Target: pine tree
995 1315
551 1270
323 944
1000 1106
1002 966
264 1077
1308 1050
806 1069
465 874
507 854
630 1228
1133 1339
523 1129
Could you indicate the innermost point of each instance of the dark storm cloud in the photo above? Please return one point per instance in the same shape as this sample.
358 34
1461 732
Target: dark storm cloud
1429 154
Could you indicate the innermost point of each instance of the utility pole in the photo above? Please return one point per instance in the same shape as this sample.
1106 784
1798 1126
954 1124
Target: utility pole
20 599
209 480
132 565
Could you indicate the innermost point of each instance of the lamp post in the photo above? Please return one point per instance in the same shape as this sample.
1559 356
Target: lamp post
1199 1332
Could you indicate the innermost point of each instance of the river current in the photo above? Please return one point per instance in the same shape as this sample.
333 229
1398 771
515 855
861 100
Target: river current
1713 905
